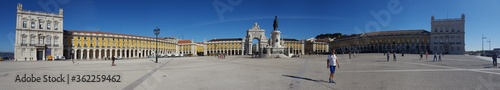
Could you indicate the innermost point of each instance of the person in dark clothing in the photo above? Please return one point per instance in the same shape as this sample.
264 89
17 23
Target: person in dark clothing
435 57
440 57
394 55
421 55
387 54
113 61
494 57
349 54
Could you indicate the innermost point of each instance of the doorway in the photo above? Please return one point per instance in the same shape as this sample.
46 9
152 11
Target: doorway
39 54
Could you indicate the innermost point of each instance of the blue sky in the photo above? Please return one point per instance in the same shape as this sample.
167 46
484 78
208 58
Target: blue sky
300 19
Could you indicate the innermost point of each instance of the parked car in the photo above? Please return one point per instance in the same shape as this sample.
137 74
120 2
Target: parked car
59 57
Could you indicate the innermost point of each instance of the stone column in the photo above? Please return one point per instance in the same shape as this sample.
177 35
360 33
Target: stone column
116 53
133 53
99 52
205 50
81 54
302 48
249 51
126 53
88 52
74 54
105 53
242 49
95 54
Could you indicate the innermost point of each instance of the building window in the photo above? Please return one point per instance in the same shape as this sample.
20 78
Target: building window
84 41
32 25
56 26
32 40
22 51
56 40
23 39
40 25
24 23
40 39
47 41
48 26
102 42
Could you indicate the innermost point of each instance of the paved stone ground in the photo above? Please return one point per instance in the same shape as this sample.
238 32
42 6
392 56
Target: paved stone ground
364 72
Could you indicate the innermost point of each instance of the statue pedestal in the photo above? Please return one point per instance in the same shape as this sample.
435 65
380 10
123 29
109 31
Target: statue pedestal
275 52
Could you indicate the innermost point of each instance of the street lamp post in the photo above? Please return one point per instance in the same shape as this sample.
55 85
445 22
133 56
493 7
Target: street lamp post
482 42
156 31
489 42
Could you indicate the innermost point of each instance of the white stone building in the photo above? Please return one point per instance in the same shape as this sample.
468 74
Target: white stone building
447 35
38 34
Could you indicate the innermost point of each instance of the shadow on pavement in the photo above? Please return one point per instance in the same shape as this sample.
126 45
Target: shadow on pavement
304 78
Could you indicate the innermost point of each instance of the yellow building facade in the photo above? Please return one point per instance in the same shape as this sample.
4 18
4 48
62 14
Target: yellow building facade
102 45
227 46
317 46
407 41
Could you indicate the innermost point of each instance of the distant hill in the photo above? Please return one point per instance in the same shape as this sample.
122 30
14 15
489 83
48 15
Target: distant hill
6 54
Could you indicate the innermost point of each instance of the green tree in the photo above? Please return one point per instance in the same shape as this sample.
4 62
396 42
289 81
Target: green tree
328 35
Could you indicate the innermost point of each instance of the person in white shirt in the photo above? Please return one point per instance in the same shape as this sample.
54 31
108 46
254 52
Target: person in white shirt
332 62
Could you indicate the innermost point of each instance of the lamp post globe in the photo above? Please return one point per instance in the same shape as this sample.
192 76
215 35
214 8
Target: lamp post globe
156 32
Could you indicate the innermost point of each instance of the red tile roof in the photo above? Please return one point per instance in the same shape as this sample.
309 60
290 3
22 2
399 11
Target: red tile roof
183 41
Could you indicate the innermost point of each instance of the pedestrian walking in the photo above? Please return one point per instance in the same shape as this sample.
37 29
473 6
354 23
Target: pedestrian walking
349 55
387 55
421 55
402 54
435 57
494 57
113 61
332 62
440 54
394 55
354 55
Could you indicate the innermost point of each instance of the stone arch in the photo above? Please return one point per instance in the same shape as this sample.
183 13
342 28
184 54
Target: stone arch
84 52
108 54
91 54
102 53
255 33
